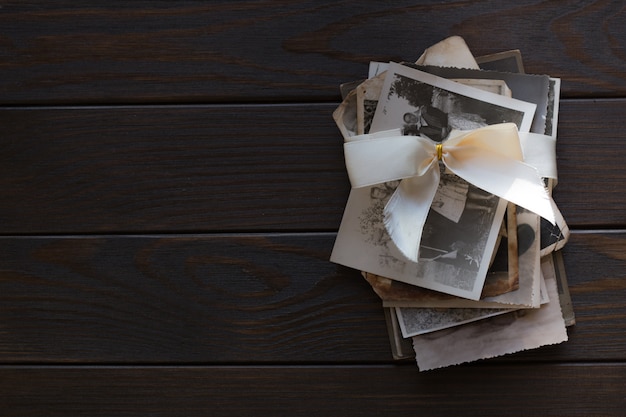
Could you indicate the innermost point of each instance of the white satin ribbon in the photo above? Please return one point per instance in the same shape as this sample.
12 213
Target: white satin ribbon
490 158
540 152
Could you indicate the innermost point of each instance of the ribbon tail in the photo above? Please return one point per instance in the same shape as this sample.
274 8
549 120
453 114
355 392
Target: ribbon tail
540 152
508 178
407 209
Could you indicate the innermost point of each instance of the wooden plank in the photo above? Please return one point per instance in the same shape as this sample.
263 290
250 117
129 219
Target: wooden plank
591 150
244 51
199 168
532 389
173 168
242 299
191 299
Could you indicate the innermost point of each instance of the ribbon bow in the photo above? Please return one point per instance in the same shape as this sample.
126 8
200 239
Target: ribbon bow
490 158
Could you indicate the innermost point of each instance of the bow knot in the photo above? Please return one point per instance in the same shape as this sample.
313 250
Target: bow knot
439 151
490 158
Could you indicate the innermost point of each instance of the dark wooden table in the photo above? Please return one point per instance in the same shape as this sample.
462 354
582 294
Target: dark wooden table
171 182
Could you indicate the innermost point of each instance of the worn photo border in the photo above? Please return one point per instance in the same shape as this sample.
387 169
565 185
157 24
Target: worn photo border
389 113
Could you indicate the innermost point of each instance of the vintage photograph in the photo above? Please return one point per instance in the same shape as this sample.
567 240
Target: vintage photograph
345 116
528 292
495 336
461 231
506 61
459 235
552 264
401 347
430 105
552 111
367 94
525 87
417 321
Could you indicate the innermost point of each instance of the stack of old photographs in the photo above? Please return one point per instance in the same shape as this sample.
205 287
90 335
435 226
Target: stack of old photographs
489 279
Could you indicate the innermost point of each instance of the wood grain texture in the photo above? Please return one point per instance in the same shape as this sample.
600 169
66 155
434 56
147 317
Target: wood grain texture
173 168
547 390
245 51
243 299
592 176
184 299
171 182
239 168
